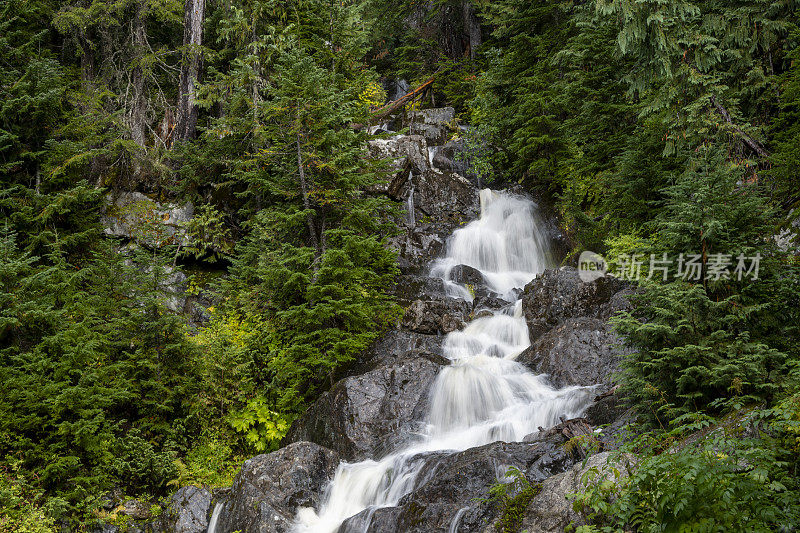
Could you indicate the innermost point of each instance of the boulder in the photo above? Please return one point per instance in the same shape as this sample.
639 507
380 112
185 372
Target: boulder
466 275
411 287
557 295
368 415
188 511
578 351
445 197
419 245
269 488
133 215
392 345
488 301
439 315
446 158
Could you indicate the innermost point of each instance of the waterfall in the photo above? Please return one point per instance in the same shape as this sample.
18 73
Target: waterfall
212 523
412 220
484 395
456 519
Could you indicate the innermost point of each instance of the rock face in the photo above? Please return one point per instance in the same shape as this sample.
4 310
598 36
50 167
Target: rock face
409 153
557 295
269 488
579 351
445 196
367 415
433 124
441 315
567 319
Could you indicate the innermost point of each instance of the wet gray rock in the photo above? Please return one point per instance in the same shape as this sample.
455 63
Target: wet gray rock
392 345
368 415
446 197
606 409
412 287
558 295
445 157
133 215
434 316
188 511
418 246
578 351
270 488
466 275
434 124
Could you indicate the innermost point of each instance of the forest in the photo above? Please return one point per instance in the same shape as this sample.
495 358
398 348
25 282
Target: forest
650 127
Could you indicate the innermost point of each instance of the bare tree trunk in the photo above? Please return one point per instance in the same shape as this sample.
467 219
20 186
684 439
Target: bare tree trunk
472 27
193 14
304 190
138 106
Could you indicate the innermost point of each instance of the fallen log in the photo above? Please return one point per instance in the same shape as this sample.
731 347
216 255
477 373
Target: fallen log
393 106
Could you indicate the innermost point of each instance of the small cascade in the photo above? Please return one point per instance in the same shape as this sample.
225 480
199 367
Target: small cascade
456 520
212 523
412 220
484 395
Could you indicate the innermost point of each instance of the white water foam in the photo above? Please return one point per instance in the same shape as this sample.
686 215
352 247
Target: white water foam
484 395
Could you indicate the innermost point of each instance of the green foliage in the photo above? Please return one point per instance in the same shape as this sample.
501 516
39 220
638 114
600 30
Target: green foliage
21 504
732 479
212 462
137 464
88 351
263 428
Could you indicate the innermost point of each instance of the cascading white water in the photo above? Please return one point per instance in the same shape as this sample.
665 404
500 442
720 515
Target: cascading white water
506 244
412 217
212 523
484 395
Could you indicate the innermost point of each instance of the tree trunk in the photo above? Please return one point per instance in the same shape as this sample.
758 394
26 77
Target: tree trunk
472 27
138 106
193 14
304 191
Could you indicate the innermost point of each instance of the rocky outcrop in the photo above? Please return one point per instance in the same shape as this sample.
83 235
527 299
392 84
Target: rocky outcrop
408 154
188 511
557 295
370 414
446 197
572 340
579 351
433 124
433 316
269 488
